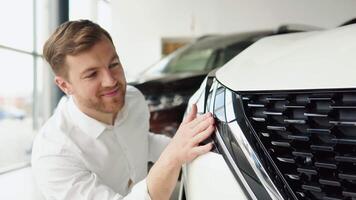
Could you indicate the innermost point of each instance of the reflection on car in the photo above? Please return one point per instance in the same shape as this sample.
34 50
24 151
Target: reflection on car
285 111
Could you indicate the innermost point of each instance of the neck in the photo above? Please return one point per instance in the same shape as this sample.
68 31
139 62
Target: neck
106 118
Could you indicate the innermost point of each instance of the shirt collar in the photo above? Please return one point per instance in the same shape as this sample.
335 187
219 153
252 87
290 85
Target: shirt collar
87 124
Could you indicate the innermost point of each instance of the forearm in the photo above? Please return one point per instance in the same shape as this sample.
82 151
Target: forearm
162 177
183 148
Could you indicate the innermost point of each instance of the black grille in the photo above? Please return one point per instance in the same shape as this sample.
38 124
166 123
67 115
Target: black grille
311 138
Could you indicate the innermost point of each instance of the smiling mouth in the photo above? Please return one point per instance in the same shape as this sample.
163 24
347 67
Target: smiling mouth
111 92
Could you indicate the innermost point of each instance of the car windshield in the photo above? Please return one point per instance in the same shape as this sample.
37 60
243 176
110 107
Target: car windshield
183 60
203 55
193 60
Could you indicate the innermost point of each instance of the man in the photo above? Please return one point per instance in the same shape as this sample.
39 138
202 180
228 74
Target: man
97 145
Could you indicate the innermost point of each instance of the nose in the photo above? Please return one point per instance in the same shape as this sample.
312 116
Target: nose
108 79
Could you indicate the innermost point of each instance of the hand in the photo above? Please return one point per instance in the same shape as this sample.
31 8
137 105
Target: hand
194 129
183 148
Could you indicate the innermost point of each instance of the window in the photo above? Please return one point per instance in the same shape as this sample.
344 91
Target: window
17 30
27 92
20 64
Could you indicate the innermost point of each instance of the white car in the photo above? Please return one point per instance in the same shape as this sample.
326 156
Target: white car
285 111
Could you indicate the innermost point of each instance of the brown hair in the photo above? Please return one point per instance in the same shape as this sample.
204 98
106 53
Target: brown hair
71 38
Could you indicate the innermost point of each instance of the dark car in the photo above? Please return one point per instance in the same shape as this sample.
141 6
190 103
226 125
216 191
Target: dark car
169 84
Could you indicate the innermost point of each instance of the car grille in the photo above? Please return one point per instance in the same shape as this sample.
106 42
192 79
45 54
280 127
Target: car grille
311 139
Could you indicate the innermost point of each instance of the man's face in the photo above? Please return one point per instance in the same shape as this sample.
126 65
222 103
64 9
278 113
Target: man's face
96 79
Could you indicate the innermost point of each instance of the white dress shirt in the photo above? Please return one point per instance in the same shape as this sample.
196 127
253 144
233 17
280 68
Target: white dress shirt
76 157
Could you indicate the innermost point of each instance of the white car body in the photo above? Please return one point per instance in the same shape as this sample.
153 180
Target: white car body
318 60
313 57
206 173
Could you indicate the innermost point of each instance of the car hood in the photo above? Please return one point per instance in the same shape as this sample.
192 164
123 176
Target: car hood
299 61
161 77
161 83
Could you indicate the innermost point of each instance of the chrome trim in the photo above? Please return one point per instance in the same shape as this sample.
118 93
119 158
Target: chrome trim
212 100
255 163
181 185
236 169
250 154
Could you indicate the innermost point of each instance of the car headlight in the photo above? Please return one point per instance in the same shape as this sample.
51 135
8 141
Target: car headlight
234 144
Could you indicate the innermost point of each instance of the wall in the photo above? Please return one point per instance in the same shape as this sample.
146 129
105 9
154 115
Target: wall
139 25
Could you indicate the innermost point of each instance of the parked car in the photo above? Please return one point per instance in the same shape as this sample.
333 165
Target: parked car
169 84
11 112
285 111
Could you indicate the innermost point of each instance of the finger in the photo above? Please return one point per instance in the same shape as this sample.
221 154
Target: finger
191 115
203 125
200 150
199 119
203 135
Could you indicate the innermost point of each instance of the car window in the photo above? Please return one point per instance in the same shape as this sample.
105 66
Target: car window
215 59
190 61
234 49
161 65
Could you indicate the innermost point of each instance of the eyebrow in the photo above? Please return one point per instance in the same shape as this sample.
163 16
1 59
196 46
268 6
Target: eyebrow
88 70
115 56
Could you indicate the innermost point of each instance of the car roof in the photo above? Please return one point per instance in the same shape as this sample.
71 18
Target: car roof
298 61
216 41
221 41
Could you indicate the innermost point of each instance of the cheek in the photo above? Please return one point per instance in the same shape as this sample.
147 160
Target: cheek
89 89
120 76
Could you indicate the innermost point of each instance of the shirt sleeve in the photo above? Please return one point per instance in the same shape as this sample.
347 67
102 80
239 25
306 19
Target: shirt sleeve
156 143
64 177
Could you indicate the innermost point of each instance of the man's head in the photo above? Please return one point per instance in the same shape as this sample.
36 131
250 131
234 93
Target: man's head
86 65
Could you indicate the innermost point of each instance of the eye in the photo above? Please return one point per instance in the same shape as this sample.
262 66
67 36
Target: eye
112 65
91 75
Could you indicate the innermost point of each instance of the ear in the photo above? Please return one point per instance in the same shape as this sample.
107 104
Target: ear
63 84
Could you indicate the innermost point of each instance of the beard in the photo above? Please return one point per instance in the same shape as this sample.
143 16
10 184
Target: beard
107 105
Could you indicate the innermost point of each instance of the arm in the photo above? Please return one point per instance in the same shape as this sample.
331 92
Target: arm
183 148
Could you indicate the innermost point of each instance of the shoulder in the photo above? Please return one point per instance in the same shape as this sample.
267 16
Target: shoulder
52 138
136 104
134 98
133 93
